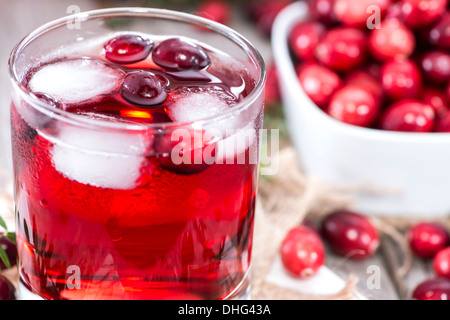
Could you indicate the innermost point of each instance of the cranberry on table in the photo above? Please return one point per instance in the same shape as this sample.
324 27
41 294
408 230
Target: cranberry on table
304 38
427 238
439 35
401 79
319 83
143 89
178 55
322 10
392 39
302 252
354 105
437 100
218 11
264 13
433 289
366 80
127 49
422 13
350 234
447 91
436 66
354 13
7 290
342 49
443 123
408 116
441 263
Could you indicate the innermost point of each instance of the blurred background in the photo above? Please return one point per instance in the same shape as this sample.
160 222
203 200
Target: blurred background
252 18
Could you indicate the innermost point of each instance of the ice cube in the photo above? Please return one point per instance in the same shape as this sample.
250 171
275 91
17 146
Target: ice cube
198 103
99 158
77 80
231 149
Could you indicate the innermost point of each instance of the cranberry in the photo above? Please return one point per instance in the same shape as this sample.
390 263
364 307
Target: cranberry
394 11
218 11
391 40
128 48
265 12
367 81
342 49
427 238
401 79
354 13
272 94
319 83
304 38
443 123
7 290
186 151
350 234
436 66
322 10
437 100
433 289
422 13
143 89
447 91
408 116
11 252
177 55
439 35
302 252
353 104
441 263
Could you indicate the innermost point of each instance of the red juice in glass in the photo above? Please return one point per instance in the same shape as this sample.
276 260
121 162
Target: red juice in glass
136 162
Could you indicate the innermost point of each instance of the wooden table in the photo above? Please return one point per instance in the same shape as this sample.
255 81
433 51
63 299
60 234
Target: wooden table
21 16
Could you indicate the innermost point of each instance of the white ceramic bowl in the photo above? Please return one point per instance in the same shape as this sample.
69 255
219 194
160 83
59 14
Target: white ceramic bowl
411 171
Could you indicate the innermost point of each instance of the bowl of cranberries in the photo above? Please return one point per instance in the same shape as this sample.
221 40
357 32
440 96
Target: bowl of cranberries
366 91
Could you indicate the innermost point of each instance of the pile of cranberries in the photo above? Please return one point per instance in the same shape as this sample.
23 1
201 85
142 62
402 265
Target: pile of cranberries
391 73
430 240
348 233
9 253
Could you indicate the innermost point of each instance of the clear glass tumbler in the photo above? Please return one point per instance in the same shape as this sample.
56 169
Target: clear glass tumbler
104 208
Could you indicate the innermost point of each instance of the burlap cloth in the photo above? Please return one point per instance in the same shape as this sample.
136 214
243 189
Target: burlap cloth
284 200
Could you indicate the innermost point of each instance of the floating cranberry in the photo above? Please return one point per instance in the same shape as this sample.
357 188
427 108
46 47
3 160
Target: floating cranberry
354 13
304 38
218 11
401 79
441 263
143 89
392 39
302 252
408 116
366 80
437 100
186 151
7 290
439 35
422 13
433 289
342 49
427 238
127 49
177 55
322 10
350 234
10 249
319 83
354 105
436 66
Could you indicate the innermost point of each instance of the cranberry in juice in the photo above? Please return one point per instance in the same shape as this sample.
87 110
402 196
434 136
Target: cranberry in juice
103 214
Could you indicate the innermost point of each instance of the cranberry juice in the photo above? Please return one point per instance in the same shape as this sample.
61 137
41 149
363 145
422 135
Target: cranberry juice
103 214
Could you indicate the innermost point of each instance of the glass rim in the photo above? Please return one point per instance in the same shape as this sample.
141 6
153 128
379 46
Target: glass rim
216 27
